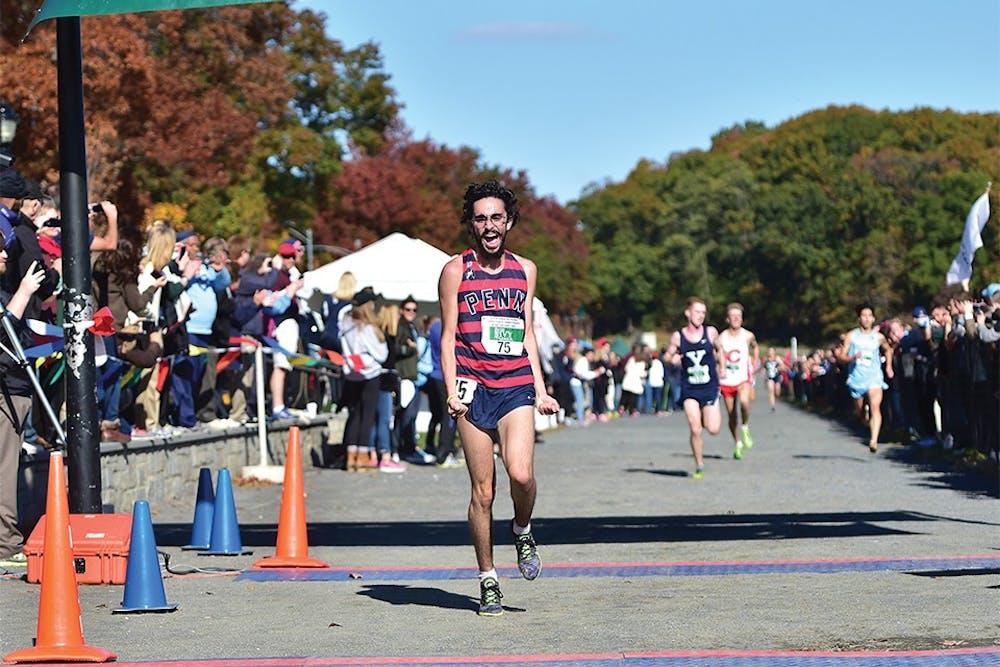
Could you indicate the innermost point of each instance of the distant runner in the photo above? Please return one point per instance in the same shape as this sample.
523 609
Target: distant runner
698 346
860 351
739 359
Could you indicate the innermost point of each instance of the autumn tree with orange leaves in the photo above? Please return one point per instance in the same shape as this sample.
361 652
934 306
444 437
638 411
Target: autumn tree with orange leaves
236 114
239 119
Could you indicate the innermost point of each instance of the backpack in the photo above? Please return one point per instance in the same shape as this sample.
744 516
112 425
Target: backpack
425 364
329 339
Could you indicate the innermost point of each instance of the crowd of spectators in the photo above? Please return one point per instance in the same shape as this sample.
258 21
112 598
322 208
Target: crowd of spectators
945 387
593 382
185 315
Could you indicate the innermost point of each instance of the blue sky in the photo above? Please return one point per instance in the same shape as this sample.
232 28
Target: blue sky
577 92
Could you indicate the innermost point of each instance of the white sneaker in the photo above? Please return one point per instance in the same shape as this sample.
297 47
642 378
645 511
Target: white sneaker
451 462
223 424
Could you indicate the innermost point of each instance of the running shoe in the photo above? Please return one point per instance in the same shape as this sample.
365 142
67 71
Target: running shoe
427 457
699 472
738 452
745 438
451 462
528 561
489 597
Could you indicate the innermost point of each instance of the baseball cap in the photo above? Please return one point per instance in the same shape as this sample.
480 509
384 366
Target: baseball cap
185 234
991 290
12 184
365 295
919 311
601 341
287 249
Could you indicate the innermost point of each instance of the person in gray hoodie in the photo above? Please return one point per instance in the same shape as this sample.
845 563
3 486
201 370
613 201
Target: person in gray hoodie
364 349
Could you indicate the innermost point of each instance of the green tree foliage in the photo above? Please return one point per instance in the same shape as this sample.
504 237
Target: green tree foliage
799 222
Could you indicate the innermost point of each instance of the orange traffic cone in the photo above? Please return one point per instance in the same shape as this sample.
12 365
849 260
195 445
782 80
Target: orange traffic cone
60 629
293 545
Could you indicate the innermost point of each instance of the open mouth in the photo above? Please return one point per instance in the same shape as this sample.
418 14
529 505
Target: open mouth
491 241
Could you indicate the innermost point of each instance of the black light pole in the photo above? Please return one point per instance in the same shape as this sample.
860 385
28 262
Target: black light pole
8 128
83 454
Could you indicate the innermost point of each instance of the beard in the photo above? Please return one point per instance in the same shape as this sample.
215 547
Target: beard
483 251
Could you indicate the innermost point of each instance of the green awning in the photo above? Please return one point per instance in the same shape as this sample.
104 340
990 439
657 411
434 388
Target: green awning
52 9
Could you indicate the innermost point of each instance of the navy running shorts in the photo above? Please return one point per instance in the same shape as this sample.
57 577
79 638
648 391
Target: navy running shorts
488 406
704 398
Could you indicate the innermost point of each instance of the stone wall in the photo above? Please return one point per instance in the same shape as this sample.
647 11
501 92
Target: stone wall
167 469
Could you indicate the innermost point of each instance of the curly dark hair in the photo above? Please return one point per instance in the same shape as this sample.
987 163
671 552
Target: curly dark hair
491 188
123 261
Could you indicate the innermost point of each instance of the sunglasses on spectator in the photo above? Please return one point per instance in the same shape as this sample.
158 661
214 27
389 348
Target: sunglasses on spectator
409 309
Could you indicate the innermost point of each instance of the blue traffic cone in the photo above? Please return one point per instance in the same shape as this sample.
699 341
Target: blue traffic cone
225 540
143 581
204 509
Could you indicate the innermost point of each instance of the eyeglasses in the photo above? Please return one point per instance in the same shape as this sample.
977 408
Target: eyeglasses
496 218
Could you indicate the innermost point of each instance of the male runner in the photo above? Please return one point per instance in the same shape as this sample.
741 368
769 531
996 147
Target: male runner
492 372
740 356
698 346
860 351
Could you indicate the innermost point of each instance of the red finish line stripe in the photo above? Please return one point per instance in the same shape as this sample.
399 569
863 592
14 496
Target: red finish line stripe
666 658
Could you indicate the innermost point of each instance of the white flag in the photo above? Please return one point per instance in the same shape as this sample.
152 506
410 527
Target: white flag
972 240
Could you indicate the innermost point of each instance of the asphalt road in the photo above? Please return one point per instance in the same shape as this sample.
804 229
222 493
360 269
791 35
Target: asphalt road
810 544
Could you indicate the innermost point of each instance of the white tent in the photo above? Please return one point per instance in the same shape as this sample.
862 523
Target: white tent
396 266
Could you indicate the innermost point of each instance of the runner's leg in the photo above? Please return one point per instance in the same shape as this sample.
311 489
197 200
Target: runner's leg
517 446
478 448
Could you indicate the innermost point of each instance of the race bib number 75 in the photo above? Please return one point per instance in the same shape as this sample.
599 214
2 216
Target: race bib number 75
503 335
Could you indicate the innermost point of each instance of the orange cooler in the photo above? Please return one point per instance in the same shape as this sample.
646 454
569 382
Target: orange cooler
100 548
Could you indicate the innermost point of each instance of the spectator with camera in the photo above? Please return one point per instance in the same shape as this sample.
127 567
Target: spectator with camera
252 296
209 317
20 199
918 382
17 390
116 286
986 314
283 322
168 256
978 366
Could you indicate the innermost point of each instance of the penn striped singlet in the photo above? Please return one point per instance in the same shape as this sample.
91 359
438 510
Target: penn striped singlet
489 340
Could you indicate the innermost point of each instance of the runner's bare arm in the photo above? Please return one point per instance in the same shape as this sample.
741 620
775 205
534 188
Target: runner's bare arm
720 354
844 347
451 278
